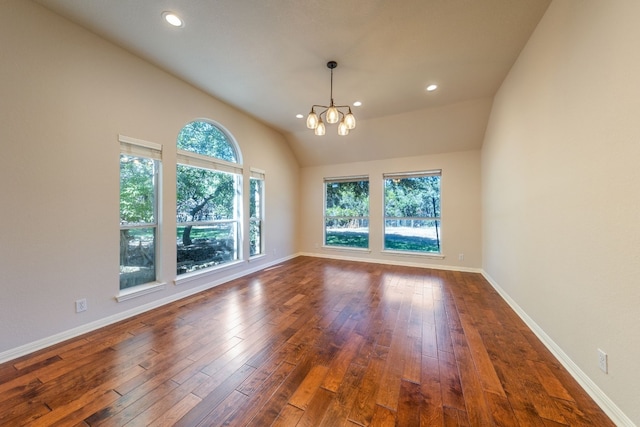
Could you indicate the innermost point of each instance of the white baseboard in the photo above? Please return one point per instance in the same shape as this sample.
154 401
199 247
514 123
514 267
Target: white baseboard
106 321
392 262
601 399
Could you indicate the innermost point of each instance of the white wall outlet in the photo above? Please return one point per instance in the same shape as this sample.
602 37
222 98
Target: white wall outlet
81 305
460 257
603 361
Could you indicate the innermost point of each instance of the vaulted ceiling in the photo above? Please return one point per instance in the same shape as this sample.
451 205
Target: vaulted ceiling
268 58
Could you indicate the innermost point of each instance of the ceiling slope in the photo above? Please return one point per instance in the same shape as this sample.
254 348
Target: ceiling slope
268 58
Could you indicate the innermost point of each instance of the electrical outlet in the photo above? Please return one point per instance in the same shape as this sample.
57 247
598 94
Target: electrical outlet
603 361
81 305
460 257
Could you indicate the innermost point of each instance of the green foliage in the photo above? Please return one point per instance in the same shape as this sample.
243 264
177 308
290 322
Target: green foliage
397 242
347 238
137 193
412 197
203 194
208 140
255 236
205 233
347 198
255 197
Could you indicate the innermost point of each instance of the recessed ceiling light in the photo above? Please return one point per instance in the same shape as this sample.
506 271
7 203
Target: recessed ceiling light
299 116
172 19
431 88
357 104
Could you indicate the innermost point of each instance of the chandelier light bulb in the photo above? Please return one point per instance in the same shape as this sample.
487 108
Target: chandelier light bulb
312 120
343 129
350 120
320 129
332 115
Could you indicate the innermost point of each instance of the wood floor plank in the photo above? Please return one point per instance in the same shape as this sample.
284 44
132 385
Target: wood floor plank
255 402
177 411
215 397
309 342
431 413
482 361
383 417
365 403
164 403
450 381
277 403
409 404
74 412
225 411
316 408
338 368
289 416
501 411
310 385
344 398
475 403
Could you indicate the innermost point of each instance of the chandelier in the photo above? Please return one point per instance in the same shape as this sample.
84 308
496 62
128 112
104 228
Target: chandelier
332 114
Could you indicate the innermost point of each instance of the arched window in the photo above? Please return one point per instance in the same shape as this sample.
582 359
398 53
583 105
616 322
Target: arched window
208 197
208 140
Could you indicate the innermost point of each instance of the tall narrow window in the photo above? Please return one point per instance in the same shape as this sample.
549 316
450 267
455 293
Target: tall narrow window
208 183
139 166
412 212
346 212
256 213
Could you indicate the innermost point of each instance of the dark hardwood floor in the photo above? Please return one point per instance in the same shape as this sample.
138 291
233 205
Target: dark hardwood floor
311 342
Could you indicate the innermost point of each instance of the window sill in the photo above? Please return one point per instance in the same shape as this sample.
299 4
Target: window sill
418 254
256 257
188 277
138 291
347 249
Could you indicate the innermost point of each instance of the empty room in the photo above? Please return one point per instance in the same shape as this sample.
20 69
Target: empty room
339 213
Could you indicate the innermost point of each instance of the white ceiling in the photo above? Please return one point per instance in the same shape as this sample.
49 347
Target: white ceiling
268 58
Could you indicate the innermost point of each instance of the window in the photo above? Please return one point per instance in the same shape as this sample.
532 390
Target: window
256 213
139 166
412 212
346 212
208 184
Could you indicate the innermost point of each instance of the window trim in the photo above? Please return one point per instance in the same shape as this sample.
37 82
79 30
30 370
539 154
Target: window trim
189 158
413 174
139 148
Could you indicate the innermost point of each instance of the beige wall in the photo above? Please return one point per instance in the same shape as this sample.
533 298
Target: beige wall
560 190
460 205
65 95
